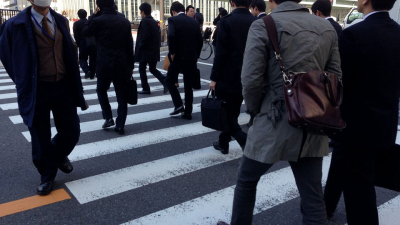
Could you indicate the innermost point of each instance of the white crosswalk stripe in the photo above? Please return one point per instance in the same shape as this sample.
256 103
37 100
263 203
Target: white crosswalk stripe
97 188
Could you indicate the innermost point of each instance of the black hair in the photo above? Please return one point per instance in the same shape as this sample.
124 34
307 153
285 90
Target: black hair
260 5
223 13
105 3
198 10
241 3
82 14
220 9
382 4
282 1
177 7
189 7
324 6
146 8
115 7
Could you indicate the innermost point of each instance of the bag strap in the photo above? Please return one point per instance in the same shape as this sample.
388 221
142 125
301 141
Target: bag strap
273 37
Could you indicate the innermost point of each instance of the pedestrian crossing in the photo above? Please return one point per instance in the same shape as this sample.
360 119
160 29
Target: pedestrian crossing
149 126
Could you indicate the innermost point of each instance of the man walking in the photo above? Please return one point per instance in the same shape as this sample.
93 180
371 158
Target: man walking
190 11
258 8
225 78
323 8
370 51
39 55
199 17
185 44
271 138
148 48
87 47
115 59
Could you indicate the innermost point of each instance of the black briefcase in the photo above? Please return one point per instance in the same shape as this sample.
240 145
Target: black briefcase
196 81
132 92
213 115
387 169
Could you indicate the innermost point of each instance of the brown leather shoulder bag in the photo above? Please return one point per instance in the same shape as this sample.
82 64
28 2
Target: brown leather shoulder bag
313 98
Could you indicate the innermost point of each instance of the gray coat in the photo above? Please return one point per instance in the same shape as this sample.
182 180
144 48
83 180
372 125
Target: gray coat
307 42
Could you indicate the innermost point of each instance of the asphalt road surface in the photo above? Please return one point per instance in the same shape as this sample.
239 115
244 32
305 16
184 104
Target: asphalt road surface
162 171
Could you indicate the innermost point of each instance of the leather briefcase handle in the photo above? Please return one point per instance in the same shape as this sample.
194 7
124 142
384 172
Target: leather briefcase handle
329 91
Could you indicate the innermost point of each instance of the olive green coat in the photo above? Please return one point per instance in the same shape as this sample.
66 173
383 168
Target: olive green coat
307 42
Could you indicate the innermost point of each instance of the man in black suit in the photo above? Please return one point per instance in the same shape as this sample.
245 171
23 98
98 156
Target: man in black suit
87 46
258 8
370 51
323 8
185 43
115 59
199 17
148 48
226 78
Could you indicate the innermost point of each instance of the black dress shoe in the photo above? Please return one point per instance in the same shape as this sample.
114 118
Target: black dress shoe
186 116
222 223
144 92
66 166
177 111
45 188
108 123
224 148
120 131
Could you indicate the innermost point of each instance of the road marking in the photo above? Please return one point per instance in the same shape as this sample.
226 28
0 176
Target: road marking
114 145
33 202
273 189
208 64
126 179
389 212
96 108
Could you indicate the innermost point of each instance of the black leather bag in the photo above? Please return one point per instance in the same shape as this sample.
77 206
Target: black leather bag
213 115
387 169
196 81
132 91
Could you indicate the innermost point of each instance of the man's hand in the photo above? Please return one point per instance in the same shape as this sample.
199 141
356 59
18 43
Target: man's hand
177 84
212 85
132 72
172 57
97 10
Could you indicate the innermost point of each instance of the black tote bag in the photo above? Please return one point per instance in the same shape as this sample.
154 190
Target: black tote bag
387 169
132 91
213 115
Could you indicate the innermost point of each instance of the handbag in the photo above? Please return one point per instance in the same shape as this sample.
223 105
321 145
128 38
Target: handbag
213 115
132 91
387 168
312 98
196 81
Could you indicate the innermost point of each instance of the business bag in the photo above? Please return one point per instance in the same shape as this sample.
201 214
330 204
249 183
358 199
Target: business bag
312 98
213 115
387 168
132 91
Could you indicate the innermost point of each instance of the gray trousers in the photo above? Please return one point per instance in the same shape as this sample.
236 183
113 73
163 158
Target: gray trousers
308 175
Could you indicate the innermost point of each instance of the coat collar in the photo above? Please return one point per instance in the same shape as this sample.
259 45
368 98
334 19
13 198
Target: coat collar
108 10
289 6
241 10
378 15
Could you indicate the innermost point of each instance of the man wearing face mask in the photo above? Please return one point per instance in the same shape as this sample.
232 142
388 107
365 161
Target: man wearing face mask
39 55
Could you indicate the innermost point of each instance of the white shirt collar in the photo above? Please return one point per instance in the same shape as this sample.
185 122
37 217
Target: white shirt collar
369 14
327 18
180 13
261 14
39 17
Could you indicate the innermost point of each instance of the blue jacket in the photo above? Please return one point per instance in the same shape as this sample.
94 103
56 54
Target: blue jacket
18 53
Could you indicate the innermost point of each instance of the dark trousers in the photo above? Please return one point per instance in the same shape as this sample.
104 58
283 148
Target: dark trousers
86 53
308 175
334 184
188 68
153 70
120 86
233 103
358 188
47 152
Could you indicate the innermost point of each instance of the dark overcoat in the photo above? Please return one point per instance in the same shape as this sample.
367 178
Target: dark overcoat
148 41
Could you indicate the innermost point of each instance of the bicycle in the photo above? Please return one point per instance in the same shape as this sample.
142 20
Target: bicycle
207 49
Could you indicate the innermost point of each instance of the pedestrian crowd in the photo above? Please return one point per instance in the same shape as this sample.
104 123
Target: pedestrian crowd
41 58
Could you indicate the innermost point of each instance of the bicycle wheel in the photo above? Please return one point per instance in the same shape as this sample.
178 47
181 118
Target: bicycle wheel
206 51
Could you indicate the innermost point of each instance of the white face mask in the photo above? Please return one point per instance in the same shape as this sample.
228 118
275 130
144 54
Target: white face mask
42 3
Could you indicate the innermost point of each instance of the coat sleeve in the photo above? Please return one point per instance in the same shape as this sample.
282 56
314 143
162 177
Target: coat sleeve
77 33
6 46
145 34
255 66
131 53
333 63
199 41
171 36
91 26
222 52
348 54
